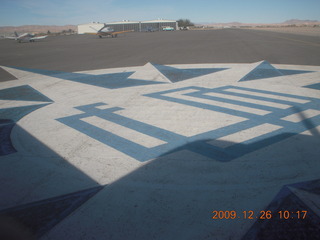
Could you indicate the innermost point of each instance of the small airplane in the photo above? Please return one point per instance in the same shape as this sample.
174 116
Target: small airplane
107 32
26 37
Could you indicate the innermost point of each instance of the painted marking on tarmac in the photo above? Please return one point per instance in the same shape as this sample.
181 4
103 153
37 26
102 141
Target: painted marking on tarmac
299 201
42 216
177 75
284 115
243 99
245 135
120 141
15 103
124 132
269 97
315 86
23 93
297 117
218 103
266 70
143 141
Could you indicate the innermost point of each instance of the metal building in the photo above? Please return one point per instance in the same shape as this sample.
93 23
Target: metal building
89 27
124 25
158 25
154 25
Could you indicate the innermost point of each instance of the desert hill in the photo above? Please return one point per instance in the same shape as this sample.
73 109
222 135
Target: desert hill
37 29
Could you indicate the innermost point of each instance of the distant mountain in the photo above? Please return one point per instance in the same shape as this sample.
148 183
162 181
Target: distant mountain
37 29
300 22
239 24
228 24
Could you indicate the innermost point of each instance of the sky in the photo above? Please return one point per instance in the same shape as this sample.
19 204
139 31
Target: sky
63 12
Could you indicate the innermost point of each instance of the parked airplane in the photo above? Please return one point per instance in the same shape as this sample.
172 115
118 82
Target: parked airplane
26 37
108 31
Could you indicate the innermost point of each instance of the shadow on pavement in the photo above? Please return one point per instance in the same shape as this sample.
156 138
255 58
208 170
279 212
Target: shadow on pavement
39 173
174 196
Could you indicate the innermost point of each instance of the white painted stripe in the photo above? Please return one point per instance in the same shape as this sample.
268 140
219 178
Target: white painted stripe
298 117
124 132
268 95
218 103
244 135
249 100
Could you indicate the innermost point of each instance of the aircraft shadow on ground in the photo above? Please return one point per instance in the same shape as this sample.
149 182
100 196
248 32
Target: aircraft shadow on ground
35 173
172 196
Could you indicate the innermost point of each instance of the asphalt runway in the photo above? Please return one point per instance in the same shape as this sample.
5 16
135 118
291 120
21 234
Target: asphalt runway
88 52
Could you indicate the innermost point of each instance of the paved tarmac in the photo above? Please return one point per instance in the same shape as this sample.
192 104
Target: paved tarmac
141 150
88 52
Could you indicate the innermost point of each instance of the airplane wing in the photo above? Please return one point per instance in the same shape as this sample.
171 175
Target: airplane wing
101 33
115 33
37 38
112 34
14 38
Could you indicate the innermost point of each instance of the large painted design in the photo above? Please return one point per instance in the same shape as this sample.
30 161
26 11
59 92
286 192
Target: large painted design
294 214
39 217
29 101
275 116
178 75
253 117
266 70
109 80
124 79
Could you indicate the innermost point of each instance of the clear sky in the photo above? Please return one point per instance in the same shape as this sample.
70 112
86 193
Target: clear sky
62 12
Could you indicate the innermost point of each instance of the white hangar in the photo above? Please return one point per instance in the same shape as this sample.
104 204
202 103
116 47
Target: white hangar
142 26
89 27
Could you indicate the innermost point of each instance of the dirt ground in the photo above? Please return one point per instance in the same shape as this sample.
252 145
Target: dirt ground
308 31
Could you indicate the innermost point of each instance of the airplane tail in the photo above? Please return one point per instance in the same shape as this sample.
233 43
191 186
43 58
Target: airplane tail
104 26
16 36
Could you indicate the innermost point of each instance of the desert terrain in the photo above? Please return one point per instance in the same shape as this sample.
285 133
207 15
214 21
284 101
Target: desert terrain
307 31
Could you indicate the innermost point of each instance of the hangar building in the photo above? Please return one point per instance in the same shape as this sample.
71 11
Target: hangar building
159 24
154 25
124 25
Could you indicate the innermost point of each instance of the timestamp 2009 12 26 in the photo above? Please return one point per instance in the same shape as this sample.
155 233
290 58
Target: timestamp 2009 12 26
264 214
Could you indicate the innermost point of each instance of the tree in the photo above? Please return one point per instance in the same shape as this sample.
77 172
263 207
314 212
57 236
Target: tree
185 23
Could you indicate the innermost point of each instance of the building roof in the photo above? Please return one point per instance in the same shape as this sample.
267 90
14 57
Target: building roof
158 20
122 22
129 22
92 23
